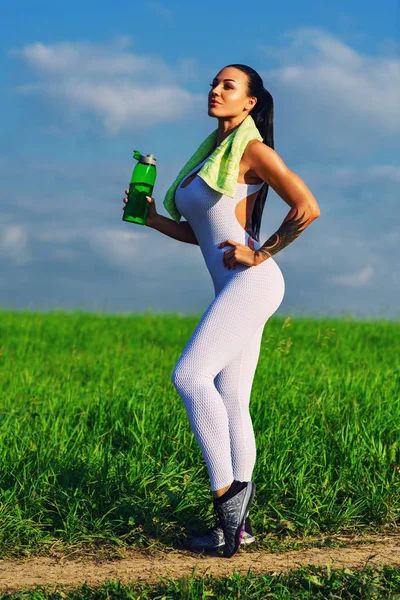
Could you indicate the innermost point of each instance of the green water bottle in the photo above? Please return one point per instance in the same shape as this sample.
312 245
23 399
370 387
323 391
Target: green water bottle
141 185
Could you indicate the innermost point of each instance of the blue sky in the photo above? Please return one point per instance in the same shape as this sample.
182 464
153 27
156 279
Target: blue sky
84 84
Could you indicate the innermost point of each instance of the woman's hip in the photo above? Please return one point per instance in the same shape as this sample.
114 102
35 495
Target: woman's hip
265 278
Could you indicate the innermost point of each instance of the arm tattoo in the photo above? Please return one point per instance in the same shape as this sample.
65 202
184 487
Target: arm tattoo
287 232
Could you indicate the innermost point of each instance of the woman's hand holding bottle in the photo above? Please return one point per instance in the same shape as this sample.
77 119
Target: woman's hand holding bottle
151 215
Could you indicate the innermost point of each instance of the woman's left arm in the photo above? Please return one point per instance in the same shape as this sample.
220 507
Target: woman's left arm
304 208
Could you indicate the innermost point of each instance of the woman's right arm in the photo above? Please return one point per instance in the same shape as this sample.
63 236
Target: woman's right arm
178 231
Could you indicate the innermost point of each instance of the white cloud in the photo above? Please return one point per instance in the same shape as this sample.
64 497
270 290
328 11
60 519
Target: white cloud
61 236
122 88
388 172
14 244
161 10
332 96
64 254
361 278
119 247
89 59
145 107
360 181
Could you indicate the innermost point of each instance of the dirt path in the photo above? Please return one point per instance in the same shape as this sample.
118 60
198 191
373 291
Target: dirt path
147 565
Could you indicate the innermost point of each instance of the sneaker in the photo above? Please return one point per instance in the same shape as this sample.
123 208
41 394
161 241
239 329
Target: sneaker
214 538
232 514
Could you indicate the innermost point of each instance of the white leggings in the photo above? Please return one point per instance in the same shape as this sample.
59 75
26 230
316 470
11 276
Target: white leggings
215 372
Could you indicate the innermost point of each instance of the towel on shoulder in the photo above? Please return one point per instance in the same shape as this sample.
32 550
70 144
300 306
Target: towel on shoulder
221 170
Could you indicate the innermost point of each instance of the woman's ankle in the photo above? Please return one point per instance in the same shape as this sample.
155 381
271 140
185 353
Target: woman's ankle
221 491
234 489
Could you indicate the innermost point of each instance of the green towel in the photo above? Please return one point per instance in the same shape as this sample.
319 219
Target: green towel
221 170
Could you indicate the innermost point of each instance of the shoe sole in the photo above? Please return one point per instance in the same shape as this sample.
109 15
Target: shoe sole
250 491
247 540
250 539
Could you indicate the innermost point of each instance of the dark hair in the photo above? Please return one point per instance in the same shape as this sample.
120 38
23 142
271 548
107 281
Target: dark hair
263 116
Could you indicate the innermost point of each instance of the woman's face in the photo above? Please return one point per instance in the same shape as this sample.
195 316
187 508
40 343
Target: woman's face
229 88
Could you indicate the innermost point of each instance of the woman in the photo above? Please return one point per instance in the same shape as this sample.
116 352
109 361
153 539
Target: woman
215 372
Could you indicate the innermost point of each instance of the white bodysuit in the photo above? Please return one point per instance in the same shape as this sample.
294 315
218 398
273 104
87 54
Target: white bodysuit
214 374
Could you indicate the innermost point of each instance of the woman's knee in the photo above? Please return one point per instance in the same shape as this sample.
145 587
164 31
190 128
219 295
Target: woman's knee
176 376
181 375
186 378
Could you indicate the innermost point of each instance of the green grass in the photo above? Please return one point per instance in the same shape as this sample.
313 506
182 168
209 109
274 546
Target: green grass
309 583
96 447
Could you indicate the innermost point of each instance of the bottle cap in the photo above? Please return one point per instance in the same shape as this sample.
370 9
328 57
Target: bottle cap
148 159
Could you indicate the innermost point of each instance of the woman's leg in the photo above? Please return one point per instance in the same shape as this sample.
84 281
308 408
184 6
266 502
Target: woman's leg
234 383
227 327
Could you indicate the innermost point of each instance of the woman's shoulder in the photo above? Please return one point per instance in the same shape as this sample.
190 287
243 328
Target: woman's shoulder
248 162
253 148
262 159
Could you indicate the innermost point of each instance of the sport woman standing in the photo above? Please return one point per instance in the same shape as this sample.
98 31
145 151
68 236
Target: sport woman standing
215 371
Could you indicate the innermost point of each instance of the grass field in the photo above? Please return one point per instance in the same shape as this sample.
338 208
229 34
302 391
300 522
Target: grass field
96 448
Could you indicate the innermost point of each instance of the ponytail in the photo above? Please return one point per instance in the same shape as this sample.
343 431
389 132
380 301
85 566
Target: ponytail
263 116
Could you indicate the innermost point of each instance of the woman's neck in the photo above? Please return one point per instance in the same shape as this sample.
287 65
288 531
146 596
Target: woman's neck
225 128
